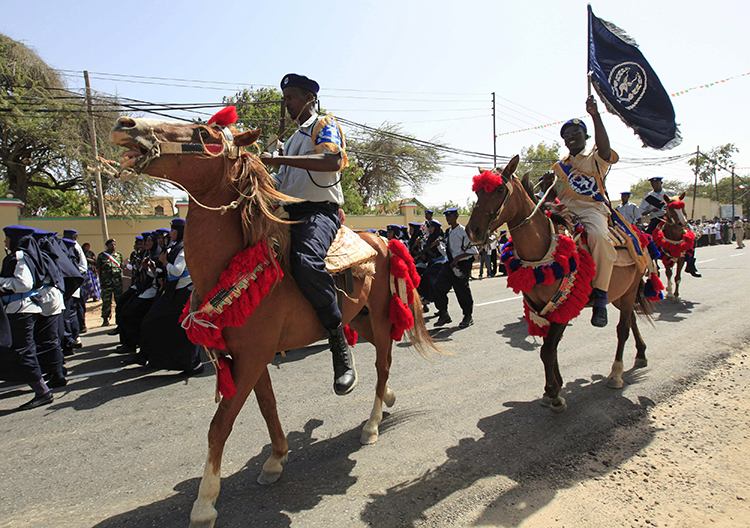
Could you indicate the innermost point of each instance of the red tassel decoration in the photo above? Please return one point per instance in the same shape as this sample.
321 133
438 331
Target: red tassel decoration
224 117
488 180
224 380
351 336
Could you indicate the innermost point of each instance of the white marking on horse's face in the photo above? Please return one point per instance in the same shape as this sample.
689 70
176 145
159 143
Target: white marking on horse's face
681 216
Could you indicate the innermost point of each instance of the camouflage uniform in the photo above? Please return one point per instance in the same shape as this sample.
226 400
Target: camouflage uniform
110 276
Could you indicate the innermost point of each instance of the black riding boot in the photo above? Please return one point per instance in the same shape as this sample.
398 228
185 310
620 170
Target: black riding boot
344 373
691 269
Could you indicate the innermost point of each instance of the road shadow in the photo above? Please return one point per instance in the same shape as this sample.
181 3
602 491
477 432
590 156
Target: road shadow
317 468
517 336
298 354
672 311
526 454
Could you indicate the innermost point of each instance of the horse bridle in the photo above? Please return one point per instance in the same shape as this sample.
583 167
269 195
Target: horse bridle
160 148
226 148
509 185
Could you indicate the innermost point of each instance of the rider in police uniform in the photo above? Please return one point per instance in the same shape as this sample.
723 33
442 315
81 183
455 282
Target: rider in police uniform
309 169
580 187
653 206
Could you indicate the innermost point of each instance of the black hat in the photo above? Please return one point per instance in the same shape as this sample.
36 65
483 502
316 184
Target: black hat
109 241
178 223
300 81
573 122
70 233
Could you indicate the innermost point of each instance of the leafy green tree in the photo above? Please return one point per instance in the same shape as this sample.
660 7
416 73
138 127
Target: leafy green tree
642 187
390 161
45 152
538 159
713 161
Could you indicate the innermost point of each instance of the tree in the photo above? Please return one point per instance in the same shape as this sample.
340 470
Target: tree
390 160
538 159
46 158
643 186
717 158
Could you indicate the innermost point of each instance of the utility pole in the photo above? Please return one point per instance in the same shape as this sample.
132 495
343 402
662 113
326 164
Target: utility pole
732 194
97 173
695 185
494 134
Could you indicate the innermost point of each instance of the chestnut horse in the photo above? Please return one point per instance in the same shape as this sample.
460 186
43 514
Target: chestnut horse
514 203
674 228
231 203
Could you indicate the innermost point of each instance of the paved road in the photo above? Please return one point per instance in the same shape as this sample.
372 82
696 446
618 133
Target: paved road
466 441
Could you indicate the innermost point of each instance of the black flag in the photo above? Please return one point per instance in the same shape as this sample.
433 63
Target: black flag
627 84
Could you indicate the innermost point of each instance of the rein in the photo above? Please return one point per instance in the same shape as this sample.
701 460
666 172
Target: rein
494 216
227 149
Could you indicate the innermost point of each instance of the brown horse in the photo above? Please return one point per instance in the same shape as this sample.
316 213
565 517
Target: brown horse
675 236
513 203
215 171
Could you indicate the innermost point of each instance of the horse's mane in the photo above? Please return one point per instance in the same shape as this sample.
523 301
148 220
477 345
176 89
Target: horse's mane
556 218
259 200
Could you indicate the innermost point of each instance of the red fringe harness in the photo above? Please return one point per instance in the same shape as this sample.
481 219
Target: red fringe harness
404 283
246 281
671 249
574 266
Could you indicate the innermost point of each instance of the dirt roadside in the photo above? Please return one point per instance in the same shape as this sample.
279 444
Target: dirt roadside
693 472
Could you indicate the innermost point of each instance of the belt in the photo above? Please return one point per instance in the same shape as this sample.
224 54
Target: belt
7 299
185 273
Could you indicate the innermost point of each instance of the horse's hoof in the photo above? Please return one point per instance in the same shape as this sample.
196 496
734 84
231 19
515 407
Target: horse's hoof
557 405
266 478
614 383
390 398
271 471
203 517
369 437
640 363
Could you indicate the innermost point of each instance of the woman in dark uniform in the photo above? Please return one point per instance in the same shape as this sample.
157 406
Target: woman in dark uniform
19 277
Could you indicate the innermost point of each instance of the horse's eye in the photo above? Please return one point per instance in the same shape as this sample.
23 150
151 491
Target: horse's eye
205 134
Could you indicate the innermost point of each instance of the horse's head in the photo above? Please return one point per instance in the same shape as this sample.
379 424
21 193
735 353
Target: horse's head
493 189
158 148
675 212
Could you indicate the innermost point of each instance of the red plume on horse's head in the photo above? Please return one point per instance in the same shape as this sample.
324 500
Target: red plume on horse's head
488 180
224 117
676 204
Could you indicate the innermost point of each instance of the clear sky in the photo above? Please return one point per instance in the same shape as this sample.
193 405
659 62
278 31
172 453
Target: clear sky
430 66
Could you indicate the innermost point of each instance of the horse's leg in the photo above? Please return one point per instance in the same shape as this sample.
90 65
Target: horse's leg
553 379
377 330
625 305
678 276
267 402
245 375
668 272
640 344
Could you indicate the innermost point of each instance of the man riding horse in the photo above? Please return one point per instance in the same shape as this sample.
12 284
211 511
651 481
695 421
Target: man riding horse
309 170
580 188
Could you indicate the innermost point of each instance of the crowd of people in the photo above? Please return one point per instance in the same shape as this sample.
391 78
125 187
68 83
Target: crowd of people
45 282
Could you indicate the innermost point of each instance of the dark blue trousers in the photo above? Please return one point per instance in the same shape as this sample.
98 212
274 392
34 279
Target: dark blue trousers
70 325
310 240
48 349
20 362
447 279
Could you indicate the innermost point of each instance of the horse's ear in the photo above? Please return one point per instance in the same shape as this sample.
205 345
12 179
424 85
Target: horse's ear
481 170
247 138
682 195
511 167
667 199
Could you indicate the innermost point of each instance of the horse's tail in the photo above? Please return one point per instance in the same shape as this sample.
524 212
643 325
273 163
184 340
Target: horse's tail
406 312
643 305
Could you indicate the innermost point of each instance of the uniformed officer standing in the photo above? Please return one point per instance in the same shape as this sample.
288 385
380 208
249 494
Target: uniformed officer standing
109 266
629 211
455 272
310 170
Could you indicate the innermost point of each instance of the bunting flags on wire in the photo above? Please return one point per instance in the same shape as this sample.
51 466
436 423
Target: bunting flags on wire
628 85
